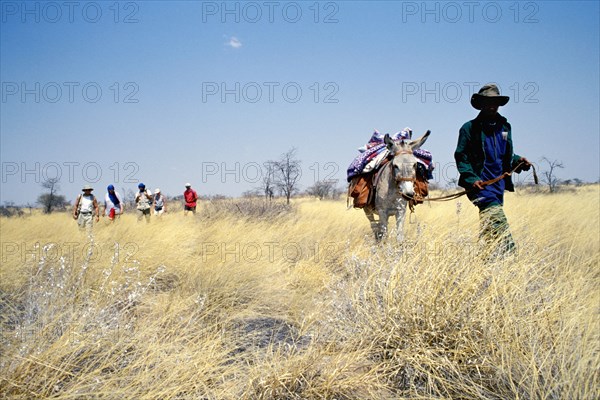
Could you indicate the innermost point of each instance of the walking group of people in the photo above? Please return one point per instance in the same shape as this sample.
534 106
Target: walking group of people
87 208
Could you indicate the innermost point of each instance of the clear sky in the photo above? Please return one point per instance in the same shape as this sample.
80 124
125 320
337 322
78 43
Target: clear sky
205 92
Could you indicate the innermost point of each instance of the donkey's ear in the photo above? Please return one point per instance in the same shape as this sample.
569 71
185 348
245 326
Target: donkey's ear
415 144
389 142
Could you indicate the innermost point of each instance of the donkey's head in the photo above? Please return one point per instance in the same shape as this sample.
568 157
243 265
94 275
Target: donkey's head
404 163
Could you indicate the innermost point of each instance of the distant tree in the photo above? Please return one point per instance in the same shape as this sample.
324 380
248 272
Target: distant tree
323 189
549 175
252 193
52 199
128 196
9 209
288 173
268 181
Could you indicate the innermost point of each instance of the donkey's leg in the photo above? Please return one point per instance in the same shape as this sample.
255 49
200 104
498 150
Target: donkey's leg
400 215
369 212
383 223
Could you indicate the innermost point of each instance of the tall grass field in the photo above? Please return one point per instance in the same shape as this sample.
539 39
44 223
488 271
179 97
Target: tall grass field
250 300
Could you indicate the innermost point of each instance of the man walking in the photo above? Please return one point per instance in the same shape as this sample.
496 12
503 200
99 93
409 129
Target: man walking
143 200
85 208
483 153
159 203
113 204
190 197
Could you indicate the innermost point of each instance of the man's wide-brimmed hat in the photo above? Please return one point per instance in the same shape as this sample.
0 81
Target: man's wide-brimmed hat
87 187
488 94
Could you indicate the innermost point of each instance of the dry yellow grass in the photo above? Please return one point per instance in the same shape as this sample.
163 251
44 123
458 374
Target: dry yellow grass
234 304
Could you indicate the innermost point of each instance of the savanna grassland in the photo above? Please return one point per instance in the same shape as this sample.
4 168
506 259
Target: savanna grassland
247 301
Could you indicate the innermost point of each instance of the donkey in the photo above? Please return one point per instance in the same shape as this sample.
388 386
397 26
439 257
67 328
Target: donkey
394 186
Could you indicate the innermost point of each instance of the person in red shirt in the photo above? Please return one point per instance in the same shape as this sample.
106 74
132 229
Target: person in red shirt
191 197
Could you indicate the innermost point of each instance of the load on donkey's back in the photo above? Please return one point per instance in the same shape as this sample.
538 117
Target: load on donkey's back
362 173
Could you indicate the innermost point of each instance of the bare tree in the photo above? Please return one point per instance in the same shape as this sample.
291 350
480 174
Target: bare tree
323 189
52 199
267 183
288 173
549 176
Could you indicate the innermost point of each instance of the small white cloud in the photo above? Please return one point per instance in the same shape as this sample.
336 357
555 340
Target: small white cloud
234 42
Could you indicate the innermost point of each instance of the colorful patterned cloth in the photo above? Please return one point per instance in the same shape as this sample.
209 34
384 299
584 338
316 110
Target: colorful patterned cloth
375 151
357 166
425 158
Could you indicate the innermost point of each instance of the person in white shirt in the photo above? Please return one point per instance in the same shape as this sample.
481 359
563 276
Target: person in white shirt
113 204
159 203
85 208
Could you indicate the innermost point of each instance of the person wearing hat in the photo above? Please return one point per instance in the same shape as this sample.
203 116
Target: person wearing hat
85 208
190 197
113 204
143 200
484 152
159 203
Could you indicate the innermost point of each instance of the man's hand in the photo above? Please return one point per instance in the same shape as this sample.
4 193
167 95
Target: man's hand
97 218
74 216
524 165
478 185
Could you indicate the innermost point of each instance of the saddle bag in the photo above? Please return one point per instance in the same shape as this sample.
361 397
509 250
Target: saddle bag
360 189
421 186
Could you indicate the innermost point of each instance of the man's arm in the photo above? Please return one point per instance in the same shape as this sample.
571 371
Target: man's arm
76 208
463 159
521 164
105 207
96 209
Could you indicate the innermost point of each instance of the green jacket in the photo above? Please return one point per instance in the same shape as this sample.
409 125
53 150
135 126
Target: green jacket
470 155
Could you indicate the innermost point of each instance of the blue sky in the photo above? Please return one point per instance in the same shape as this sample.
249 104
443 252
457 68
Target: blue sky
205 92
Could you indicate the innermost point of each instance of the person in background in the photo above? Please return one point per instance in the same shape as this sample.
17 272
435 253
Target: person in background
159 203
190 197
143 200
485 152
113 204
85 208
